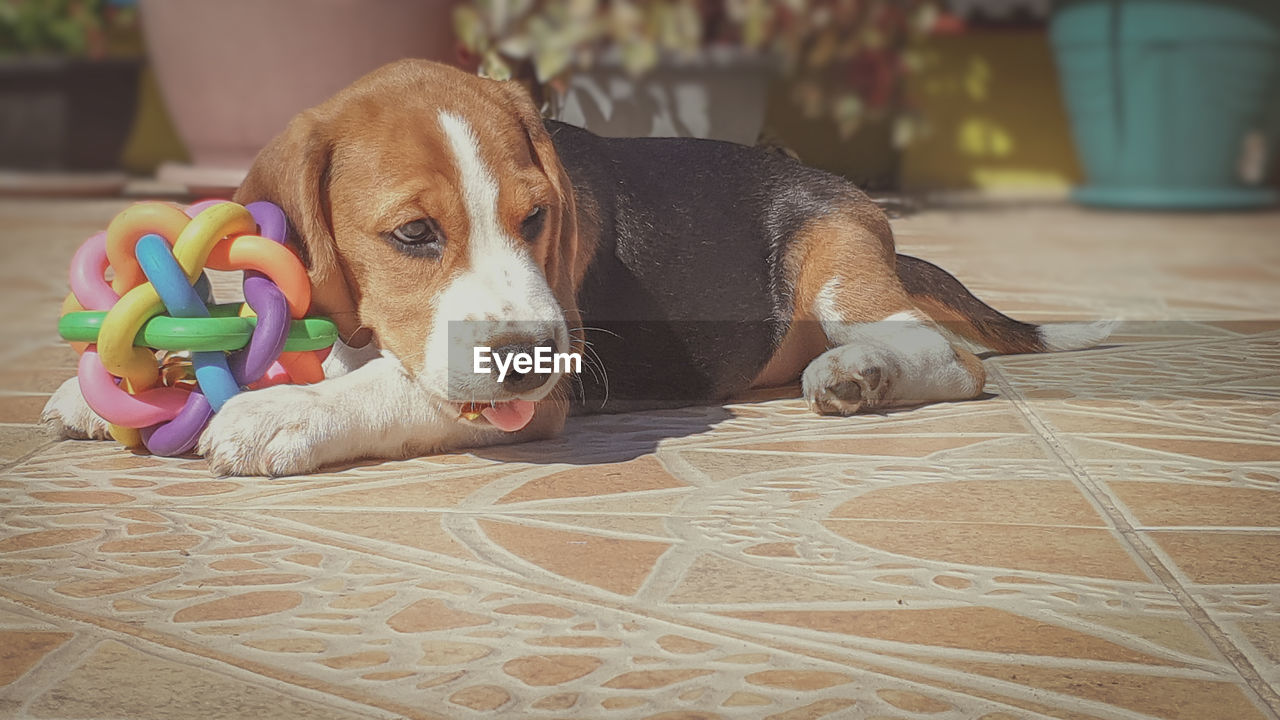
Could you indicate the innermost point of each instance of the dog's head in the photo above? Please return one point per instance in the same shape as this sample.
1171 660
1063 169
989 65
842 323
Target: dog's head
432 211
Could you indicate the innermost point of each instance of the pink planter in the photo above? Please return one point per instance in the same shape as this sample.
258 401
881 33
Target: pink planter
233 72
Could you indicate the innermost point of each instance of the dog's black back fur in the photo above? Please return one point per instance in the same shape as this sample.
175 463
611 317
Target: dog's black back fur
692 236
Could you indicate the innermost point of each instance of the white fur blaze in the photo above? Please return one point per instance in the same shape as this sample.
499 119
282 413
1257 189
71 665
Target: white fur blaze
479 188
502 291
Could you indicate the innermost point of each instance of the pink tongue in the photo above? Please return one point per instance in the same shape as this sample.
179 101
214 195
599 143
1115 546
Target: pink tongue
509 416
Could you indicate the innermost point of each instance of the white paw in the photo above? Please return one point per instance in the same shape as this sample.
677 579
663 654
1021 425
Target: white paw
283 430
846 380
68 416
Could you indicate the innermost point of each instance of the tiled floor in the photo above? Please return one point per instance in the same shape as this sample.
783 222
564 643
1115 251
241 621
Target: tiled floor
1098 539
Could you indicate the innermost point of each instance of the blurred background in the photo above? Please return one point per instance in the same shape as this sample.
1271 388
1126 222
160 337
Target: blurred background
1166 104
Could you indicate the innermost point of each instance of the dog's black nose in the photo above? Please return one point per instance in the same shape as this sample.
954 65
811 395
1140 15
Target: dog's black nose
529 365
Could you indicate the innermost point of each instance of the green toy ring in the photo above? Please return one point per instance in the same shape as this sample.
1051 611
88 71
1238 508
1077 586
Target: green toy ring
225 330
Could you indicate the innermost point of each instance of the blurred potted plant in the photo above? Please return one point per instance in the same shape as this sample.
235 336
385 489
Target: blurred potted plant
234 72
68 84
700 67
1173 103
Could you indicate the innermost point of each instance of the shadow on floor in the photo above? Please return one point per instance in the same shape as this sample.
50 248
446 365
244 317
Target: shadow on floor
595 439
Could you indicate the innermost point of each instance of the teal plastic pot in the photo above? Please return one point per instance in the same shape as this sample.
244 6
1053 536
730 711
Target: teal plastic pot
1173 103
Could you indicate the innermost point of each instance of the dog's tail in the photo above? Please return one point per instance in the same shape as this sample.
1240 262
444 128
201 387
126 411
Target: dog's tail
942 297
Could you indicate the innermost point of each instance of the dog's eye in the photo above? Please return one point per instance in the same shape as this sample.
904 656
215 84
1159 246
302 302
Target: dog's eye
419 237
531 226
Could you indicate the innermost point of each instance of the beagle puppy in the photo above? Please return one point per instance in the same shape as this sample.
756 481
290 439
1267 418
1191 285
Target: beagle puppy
438 213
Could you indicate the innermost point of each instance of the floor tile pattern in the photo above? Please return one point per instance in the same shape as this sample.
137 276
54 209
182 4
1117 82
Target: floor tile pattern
1098 538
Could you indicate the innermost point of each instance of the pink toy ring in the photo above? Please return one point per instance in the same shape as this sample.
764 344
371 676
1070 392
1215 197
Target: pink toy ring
116 406
88 268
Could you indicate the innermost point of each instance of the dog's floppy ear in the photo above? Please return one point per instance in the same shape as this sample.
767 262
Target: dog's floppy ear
570 253
293 172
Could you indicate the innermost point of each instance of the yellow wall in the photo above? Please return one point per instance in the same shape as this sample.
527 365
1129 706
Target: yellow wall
995 114
153 140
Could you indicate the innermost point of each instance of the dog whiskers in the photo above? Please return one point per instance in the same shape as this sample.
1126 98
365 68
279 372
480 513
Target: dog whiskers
593 361
595 329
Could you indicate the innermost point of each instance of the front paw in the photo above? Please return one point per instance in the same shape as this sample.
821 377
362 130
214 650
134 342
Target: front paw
68 416
276 431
